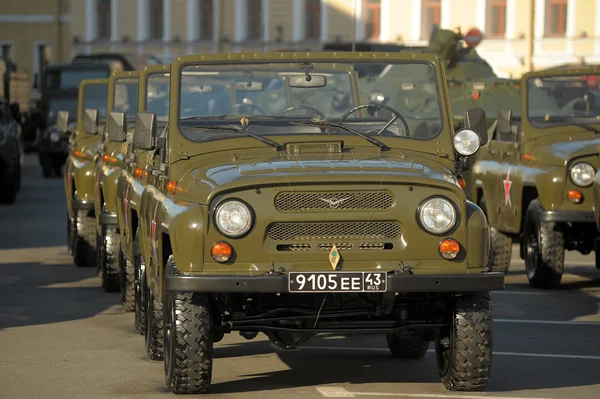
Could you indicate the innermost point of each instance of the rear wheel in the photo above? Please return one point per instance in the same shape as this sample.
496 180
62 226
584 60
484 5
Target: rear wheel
500 251
407 344
108 259
544 246
84 239
9 184
464 348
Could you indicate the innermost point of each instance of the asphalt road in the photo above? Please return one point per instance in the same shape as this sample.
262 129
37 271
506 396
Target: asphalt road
62 336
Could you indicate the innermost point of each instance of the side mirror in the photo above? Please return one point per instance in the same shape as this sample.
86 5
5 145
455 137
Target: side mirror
90 121
62 121
117 126
475 119
145 131
504 121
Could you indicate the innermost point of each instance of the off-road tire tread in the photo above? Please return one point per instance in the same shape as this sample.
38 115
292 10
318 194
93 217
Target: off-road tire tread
471 361
140 305
193 345
500 251
412 346
127 283
154 329
552 252
109 258
84 239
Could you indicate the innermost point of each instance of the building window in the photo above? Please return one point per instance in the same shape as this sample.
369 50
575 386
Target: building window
103 14
313 19
156 19
496 19
432 10
254 22
373 18
206 19
556 18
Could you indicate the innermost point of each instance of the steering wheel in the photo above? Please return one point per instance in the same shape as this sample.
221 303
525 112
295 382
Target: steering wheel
396 115
304 107
252 107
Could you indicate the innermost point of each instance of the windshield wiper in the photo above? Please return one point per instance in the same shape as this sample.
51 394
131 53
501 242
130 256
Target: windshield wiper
265 140
382 146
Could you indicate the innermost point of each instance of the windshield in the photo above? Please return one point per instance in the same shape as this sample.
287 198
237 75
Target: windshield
276 95
563 99
63 104
95 96
157 95
70 79
126 96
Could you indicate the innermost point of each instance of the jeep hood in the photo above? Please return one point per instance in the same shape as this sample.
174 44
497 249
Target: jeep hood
211 177
554 151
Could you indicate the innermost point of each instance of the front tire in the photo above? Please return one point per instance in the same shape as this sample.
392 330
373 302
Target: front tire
140 296
70 234
108 259
154 326
188 343
464 348
407 344
544 246
500 251
84 239
127 283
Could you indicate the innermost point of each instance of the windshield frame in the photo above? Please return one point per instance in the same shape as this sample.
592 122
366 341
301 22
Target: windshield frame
208 60
531 130
153 72
112 84
82 86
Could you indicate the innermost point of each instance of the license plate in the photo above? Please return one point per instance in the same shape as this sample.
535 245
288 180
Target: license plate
337 282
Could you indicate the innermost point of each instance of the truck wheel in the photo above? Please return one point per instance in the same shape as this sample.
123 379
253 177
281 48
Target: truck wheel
127 282
154 326
407 344
70 234
9 186
108 260
57 168
84 239
500 251
46 163
140 298
188 343
544 249
464 348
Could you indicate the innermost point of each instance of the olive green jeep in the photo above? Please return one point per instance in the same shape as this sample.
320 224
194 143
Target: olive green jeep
533 179
153 95
305 209
122 99
79 169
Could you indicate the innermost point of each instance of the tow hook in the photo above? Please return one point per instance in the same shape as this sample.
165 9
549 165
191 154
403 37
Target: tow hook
272 271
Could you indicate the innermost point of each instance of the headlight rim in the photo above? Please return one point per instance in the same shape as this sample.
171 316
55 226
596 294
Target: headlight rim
466 130
251 222
572 166
457 215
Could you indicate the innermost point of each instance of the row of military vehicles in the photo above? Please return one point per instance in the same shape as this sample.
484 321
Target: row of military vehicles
294 194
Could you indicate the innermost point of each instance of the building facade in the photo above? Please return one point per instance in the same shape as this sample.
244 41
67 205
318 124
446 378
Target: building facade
34 33
566 31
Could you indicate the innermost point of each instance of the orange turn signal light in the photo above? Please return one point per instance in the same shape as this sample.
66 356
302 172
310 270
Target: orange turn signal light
575 196
106 158
172 187
449 248
462 183
77 153
113 160
527 157
139 172
221 251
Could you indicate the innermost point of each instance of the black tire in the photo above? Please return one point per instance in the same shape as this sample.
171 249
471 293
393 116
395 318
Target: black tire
47 167
464 349
188 343
57 168
108 258
544 245
70 234
500 251
84 239
9 184
407 344
127 283
154 326
140 296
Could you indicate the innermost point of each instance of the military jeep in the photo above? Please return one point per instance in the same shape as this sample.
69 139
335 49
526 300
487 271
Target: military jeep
533 179
122 99
79 169
302 209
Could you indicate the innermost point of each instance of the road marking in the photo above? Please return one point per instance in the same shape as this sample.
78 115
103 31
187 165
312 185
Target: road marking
523 354
547 293
340 392
577 323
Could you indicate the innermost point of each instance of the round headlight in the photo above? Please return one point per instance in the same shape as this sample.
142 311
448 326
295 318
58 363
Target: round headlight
466 142
582 174
54 137
233 218
437 215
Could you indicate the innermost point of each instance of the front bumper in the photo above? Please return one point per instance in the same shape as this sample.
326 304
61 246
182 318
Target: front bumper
568 216
278 283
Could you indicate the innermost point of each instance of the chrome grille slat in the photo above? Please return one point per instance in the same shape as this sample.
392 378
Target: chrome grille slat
327 231
337 201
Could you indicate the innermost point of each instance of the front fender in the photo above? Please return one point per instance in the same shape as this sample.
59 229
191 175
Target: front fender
550 184
108 184
478 237
83 175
